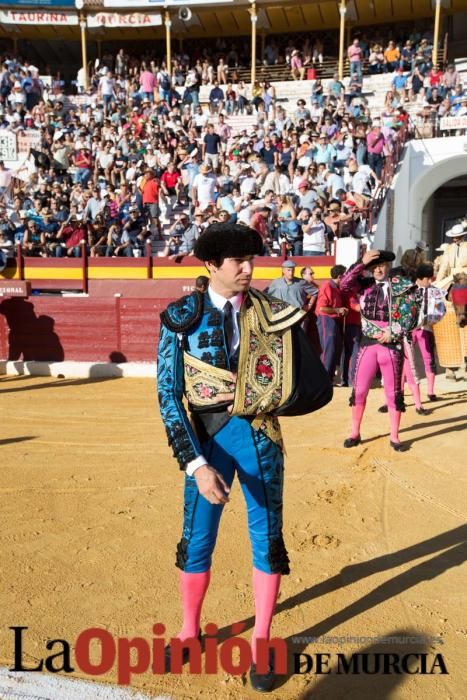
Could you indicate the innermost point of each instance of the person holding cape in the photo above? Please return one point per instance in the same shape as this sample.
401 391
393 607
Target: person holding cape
233 353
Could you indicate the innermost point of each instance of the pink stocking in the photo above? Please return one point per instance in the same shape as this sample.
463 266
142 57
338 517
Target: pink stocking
430 379
395 418
266 590
415 391
193 589
357 415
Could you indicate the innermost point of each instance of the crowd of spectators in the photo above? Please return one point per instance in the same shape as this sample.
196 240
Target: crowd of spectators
140 159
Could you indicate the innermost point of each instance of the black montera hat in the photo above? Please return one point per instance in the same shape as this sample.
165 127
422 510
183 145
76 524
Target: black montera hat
383 257
221 241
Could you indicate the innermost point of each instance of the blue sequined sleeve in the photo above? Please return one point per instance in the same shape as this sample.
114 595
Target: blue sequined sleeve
170 385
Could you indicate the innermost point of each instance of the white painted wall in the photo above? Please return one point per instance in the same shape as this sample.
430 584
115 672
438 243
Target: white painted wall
426 166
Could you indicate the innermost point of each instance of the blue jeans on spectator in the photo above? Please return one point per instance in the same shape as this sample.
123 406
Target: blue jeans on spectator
319 98
107 100
390 66
242 103
230 106
296 247
61 252
376 162
361 153
356 67
82 176
313 253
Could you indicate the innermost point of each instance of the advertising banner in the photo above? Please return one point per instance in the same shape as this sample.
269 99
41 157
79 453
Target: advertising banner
38 17
121 21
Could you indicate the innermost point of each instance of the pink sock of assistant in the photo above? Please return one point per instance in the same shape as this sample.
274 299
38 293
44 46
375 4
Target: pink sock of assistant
193 588
395 420
415 391
430 380
266 590
357 415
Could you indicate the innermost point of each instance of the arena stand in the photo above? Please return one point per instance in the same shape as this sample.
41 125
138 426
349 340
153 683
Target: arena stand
144 274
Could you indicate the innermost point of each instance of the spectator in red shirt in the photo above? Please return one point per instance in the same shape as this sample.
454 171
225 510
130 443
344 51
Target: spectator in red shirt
83 163
170 189
150 192
259 221
70 235
330 311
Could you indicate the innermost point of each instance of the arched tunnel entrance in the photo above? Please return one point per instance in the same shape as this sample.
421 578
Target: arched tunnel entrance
443 209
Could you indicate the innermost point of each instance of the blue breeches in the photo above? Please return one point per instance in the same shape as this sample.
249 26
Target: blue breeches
259 464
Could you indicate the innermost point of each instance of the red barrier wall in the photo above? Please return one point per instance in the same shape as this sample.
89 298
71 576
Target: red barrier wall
84 329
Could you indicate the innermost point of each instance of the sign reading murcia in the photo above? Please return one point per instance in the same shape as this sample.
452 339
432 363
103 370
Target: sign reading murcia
8 150
120 21
39 17
164 3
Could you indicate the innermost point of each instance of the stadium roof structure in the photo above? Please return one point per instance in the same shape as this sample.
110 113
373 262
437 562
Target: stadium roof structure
211 18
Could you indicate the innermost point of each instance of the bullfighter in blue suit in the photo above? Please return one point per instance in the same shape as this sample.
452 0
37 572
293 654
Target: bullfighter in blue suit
228 353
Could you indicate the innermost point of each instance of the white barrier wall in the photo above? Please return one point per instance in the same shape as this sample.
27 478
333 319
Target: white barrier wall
426 166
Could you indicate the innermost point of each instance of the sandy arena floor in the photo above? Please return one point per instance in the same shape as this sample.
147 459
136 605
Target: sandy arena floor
91 511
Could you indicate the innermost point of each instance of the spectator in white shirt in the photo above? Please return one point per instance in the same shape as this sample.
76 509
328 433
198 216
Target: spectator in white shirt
107 90
204 187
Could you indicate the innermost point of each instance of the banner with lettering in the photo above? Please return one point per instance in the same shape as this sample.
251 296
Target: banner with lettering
121 21
38 17
453 123
164 3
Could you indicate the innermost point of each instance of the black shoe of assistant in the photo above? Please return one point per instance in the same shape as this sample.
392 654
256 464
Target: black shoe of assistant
352 442
422 411
383 409
432 397
398 446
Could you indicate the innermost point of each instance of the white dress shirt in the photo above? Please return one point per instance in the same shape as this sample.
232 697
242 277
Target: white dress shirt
219 302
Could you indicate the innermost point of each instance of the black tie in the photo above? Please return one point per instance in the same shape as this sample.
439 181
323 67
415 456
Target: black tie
425 303
228 326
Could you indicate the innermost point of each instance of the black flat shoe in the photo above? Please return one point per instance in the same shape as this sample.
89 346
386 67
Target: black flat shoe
352 442
432 397
383 409
263 682
185 654
398 446
422 411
